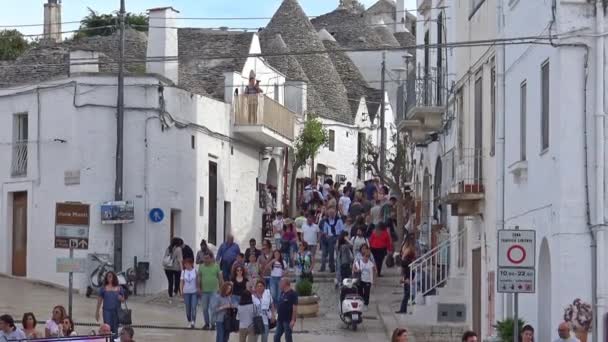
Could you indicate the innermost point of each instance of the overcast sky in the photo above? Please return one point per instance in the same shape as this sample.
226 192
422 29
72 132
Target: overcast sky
19 12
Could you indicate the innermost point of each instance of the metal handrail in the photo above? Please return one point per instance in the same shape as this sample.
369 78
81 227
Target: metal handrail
19 162
462 171
428 262
261 110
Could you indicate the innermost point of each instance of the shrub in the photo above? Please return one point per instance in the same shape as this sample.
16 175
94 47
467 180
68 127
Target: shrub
304 288
505 329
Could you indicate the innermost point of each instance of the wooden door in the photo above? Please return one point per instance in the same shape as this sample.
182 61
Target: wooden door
19 234
476 287
212 235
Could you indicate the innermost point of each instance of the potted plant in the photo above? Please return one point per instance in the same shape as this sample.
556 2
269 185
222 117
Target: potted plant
580 315
505 329
308 303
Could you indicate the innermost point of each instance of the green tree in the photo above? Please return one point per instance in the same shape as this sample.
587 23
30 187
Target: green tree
12 44
306 146
96 24
399 172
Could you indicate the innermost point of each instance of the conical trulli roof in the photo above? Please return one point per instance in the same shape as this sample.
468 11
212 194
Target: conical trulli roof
291 22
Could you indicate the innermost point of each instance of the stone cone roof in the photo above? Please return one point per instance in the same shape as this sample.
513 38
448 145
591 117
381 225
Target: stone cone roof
300 36
288 64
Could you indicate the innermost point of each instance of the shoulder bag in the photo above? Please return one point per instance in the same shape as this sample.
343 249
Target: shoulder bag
231 324
258 321
124 315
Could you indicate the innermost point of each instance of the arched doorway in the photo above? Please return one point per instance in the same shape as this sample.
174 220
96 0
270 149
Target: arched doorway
272 181
544 294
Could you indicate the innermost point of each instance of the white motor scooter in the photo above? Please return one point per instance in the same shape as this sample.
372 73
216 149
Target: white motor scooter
351 303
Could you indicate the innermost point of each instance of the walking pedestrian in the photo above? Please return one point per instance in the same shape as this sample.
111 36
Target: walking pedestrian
252 250
240 261
226 256
277 229
469 336
344 203
345 258
67 327
29 323
245 314
262 299
264 260
331 228
527 334
399 335
287 312
288 240
223 304
304 263
380 244
190 289
211 279
8 330
564 332
200 255
172 263
310 234
408 254
239 283
357 241
111 296
252 270
366 269
187 254
277 270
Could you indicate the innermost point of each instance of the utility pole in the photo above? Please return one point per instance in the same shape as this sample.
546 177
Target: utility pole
382 112
120 119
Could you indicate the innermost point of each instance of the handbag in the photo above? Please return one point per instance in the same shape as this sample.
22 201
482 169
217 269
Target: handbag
124 315
258 322
168 259
272 323
231 324
390 261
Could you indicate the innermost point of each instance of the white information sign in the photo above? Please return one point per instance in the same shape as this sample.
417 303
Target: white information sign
516 248
516 280
71 265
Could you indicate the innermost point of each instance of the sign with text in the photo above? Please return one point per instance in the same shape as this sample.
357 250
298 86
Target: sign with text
117 212
72 222
516 261
516 248
71 265
516 280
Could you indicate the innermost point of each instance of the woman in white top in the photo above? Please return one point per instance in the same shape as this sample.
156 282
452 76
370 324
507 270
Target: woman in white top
357 241
246 312
277 269
262 299
190 288
367 271
53 326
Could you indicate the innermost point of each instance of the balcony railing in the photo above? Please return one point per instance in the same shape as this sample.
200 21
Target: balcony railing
462 172
19 163
260 110
426 89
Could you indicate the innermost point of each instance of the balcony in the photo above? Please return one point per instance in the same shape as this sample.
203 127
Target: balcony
19 163
463 186
264 121
425 104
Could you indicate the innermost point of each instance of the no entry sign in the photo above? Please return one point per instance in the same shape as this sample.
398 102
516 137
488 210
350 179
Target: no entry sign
517 248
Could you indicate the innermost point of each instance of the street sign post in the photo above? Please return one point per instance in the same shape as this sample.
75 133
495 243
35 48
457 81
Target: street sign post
516 266
72 221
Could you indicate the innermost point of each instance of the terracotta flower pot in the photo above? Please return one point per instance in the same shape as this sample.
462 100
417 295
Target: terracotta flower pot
308 306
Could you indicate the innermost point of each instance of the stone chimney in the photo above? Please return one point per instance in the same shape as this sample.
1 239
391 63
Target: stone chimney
162 43
52 20
401 18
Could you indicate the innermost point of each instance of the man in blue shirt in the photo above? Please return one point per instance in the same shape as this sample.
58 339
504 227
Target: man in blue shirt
331 227
226 256
287 310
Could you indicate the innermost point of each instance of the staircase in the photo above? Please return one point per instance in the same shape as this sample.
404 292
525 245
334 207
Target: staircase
439 282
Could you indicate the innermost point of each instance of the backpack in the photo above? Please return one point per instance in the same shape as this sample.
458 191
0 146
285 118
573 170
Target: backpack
168 259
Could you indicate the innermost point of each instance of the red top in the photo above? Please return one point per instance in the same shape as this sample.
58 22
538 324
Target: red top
382 240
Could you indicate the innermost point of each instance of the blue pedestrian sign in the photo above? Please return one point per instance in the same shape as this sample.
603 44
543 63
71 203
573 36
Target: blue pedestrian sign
156 215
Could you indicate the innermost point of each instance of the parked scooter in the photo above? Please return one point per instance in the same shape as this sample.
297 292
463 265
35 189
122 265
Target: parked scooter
99 274
351 303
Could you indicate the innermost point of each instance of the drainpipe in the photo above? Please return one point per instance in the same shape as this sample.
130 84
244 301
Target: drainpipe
500 137
599 226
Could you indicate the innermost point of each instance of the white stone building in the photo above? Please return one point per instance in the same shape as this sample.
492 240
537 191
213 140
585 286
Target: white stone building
190 148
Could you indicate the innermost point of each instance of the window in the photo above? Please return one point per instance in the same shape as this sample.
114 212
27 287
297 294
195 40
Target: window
460 115
193 142
201 206
493 109
544 111
332 140
276 92
20 141
439 85
478 152
360 155
523 105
